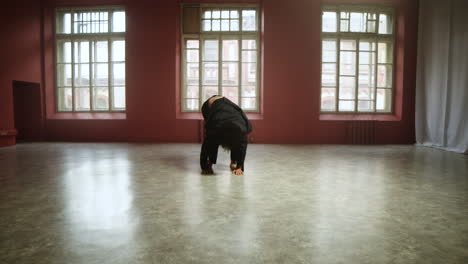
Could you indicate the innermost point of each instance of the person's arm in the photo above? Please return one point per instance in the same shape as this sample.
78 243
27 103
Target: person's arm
208 155
238 155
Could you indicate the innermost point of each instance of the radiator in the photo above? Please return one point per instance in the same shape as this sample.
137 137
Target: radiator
361 132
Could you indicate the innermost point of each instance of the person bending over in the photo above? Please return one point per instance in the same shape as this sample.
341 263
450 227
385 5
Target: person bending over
226 125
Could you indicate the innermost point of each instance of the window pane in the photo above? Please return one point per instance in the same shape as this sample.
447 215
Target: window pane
118 22
367 45
210 52
81 75
230 50
385 24
64 51
249 73
215 25
234 14
209 91
192 44
384 100
82 99
329 51
249 91
63 22
64 99
328 99
210 73
225 14
385 52
81 51
91 22
249 44
365 106
119 97
348 44
329 74
248 20
249 103
366 93
192 77
101 98
366 76
371 26
118 50
224 25
235 25
104 23
216 14
207 14
329 22
249 56
118 73
347 63
206 25
344 24
366 58
358 22
232 93
192 91
64 75
101 74
191 104
101 51
230 73
192 55
347 88
346 106
384 76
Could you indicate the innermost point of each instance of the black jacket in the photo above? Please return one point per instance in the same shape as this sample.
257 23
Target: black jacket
223 115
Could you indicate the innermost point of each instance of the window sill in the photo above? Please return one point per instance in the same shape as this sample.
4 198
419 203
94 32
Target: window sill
359 117
199 116
88 116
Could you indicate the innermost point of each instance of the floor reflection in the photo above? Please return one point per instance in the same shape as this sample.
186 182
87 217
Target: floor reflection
98 199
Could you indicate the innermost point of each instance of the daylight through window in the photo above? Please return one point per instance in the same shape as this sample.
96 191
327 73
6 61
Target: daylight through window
220 56
357 59
90 59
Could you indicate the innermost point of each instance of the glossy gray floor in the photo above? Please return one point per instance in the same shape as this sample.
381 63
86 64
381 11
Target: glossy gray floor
148 203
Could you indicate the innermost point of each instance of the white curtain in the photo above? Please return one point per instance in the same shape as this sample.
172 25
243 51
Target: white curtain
442 80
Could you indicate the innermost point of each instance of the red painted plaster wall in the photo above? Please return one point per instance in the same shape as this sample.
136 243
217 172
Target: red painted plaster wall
291 77
20 55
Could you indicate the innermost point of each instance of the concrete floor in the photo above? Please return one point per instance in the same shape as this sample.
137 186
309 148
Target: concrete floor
148 203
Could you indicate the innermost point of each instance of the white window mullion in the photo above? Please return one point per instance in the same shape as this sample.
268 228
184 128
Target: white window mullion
220 64
110 81
73 73
239 70
376 65
338 72
91 77
356 88
200 64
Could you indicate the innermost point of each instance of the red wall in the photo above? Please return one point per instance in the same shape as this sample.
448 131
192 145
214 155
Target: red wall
20 55
291 77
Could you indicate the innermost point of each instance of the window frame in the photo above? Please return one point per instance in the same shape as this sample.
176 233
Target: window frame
91 39
358 36
220 36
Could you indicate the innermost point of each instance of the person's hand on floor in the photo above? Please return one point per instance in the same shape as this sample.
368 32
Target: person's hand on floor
238 172
208 171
